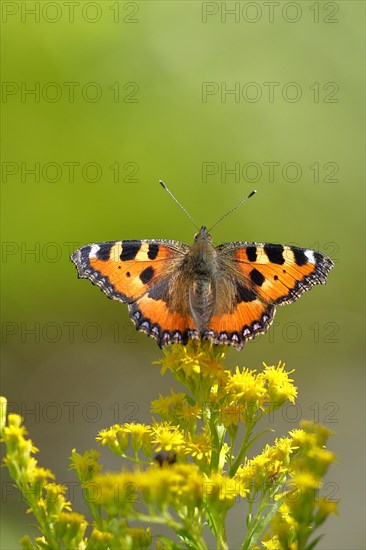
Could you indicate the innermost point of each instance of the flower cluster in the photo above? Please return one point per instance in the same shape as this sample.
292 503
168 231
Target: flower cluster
191 466
59 525
303 510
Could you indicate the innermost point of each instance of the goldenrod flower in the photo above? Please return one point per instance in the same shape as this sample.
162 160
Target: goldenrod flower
179 486
175 409
166 437
86 465
199 448
245 387
273 544
325 507
203 445
70 527
117 438
279 385
166 406
140 437
221 492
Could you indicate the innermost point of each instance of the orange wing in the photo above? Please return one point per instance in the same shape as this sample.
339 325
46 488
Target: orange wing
126 270
247 320
139 272
263 275
277 274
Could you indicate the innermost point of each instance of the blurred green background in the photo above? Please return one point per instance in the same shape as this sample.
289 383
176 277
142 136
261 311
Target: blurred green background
126 93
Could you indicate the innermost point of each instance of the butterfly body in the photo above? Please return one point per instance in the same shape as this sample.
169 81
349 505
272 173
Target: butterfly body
226 294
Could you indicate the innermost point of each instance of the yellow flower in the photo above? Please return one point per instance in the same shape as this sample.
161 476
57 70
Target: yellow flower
167 438
279 385
320 432
246 477
140 437
141 537
179 485
225 449
55 501
41 476
175 409
299 437
325 507
196 358
247 389
166 406
267 468
273 544
198 447
232 414
117 438
70 527
185 358
86 465
14 432
285 513
100 539
300 484
221 491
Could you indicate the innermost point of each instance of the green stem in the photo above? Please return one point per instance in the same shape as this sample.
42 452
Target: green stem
137 460
180 529
39 515
215 453
218 528
222 539
258 525
242 451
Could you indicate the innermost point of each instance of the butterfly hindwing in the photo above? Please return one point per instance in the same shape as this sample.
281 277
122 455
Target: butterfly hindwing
153 316
247 320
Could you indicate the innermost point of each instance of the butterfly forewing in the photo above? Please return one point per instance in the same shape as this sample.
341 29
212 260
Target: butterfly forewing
278 274
126 270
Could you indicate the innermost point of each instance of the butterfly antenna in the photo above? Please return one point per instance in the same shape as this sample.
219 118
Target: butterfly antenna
178 203
232 209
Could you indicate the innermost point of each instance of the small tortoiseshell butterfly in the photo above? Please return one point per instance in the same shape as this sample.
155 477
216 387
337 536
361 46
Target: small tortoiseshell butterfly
227 294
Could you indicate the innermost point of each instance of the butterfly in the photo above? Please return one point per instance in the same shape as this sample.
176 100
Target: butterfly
226 294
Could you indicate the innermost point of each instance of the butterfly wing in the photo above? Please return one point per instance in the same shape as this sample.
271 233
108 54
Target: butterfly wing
262 276
251 279
278 274
141 273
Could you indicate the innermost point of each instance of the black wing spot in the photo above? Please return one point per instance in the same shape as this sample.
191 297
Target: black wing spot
128 274
153 251
257 277
275 277
244 294
104 251
147 274
129 250
300 256
275 253
252 253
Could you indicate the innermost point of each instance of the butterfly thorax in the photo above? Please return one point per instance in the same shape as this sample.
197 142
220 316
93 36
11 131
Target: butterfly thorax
202 255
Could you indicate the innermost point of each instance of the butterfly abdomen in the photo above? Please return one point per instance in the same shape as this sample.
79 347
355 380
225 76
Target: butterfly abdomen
202 298
202 266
